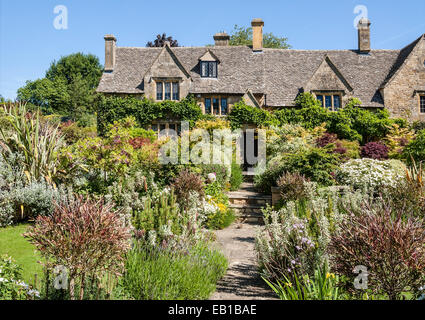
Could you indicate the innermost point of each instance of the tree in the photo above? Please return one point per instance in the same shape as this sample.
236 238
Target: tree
68 87
160 41
241 36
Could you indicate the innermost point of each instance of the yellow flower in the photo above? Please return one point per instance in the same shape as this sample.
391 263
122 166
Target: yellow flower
289 284
330 275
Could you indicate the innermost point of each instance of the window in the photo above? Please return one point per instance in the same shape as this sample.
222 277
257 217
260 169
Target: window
167 93
176 93
208 69
331 102
159 91
216 109
422 103
223 106
208 105
165 128
163 91
216 105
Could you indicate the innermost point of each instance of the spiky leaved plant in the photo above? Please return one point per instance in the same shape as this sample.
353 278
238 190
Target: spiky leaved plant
36 140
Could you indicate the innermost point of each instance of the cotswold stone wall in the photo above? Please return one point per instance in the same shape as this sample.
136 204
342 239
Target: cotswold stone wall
401 95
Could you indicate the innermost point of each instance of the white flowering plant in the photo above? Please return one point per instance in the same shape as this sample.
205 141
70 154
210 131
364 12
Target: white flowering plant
371 174
294 240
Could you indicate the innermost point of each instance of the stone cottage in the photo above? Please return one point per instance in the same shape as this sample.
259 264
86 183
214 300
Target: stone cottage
220 75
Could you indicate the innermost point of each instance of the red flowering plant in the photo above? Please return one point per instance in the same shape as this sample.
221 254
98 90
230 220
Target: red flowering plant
84 236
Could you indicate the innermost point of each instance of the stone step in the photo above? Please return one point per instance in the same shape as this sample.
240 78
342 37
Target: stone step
248 176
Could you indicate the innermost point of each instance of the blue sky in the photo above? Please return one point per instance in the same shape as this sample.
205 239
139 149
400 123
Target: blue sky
29 42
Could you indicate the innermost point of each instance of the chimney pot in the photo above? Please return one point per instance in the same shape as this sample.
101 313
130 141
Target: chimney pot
222 39
257 34
363 28
110 48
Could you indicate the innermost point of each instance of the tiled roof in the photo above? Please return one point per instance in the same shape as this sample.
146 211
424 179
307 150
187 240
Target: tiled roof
278 73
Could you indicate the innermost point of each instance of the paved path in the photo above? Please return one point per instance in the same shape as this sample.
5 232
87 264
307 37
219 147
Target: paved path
242 280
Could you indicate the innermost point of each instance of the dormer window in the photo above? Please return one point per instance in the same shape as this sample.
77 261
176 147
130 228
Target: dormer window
209 69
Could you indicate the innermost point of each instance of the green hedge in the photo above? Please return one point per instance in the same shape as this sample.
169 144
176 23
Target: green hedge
145 111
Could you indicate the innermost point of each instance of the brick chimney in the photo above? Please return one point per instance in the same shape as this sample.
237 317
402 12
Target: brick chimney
364 35
257 34
110 46
221 39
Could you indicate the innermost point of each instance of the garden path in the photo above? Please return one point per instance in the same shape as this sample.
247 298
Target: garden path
242 280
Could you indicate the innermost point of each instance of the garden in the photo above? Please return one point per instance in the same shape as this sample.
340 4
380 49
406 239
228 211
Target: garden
88 211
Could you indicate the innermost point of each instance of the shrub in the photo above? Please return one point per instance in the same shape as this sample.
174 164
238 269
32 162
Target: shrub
416 148
153 274
388 243
220 219
370 174
236 177
294 239
162 215
397 139
351 148
322 286
326 139
73 132
11 285
375 150
315 164
21 200
408 194
243 114
292 187
37 141
83 235
185 183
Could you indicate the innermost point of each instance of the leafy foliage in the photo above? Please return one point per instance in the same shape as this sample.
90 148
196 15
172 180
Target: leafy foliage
145 111
153 274
37 141
389 243
375 150
416 148
241 36
68 88
83 235
185 183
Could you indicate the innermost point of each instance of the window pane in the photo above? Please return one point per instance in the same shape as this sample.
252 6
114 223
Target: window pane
162 127
210 69
176 91
167 95
214 69
422 98
337 103
223 106
320 98
208 105
159 91
204 69
215 106
179 128
328 102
